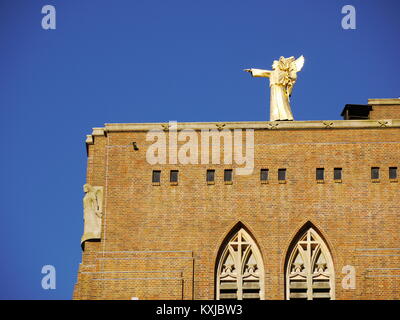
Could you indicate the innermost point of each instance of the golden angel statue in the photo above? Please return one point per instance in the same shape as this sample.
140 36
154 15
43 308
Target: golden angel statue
281 81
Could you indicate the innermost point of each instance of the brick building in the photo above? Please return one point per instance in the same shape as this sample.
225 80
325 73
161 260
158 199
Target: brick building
318 217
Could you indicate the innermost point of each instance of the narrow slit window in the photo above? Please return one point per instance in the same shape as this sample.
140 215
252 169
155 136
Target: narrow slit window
210 175
320 174
375 173
281 174
173 176
156 177
393 173
228 175
264 174
337 174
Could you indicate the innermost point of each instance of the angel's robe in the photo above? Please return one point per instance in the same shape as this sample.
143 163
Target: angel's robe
281 83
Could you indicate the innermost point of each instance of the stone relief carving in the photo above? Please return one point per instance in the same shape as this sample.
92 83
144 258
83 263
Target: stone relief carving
92 212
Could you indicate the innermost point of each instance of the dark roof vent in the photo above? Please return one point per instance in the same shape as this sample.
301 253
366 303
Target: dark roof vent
356 112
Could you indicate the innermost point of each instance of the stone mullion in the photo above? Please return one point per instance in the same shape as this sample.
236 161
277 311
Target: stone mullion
239 269
308 268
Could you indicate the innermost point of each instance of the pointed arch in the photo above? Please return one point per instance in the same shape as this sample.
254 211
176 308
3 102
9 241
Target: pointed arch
309 269
239 267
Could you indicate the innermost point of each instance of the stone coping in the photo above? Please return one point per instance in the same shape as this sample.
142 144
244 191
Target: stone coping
384 102
256 125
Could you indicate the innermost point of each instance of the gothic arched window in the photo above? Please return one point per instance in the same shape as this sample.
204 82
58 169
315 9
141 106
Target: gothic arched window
240 271
309 268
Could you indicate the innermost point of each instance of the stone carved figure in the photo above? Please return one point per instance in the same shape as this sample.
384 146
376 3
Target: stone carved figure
282 79
92 212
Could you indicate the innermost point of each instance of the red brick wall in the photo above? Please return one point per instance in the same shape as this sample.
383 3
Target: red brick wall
161 242
385 112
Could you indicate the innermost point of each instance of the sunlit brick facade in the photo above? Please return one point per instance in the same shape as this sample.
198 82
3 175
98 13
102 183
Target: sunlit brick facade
181 240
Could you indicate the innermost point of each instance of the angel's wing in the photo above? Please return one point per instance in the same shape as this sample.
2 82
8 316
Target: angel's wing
299 62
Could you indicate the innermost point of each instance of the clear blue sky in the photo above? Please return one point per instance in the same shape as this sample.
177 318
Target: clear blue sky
154 61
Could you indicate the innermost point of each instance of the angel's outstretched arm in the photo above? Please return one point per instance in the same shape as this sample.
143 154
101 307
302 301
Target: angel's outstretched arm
259 72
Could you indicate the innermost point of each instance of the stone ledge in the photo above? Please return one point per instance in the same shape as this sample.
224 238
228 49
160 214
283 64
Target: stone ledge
256 125
89 139
384 101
